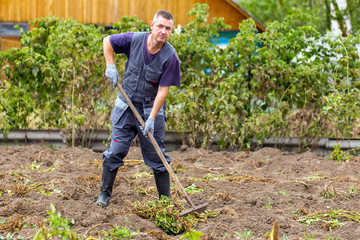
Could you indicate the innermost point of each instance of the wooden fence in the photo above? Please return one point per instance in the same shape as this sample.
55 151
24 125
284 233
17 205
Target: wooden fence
106 12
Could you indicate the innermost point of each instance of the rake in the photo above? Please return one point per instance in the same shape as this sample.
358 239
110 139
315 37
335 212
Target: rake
192 208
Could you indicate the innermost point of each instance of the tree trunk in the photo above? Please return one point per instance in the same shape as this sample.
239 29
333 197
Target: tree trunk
340 17
328 14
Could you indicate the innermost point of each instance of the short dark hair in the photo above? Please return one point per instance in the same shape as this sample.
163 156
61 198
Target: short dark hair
165 14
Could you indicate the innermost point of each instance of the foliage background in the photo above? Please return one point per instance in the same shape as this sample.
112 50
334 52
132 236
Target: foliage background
292 80
278 10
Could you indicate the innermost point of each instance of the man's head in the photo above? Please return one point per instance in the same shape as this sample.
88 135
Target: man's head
164 14
162 25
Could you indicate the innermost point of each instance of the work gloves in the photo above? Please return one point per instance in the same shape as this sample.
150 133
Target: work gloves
112 74
149 126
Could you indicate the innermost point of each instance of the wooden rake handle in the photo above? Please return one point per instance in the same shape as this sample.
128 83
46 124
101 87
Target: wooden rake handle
156 146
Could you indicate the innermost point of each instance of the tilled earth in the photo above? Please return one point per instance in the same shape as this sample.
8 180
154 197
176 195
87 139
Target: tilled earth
249 190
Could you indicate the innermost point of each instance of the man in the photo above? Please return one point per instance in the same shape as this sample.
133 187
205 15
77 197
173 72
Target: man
152 67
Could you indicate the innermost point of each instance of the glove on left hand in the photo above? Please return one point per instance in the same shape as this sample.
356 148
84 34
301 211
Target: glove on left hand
149 126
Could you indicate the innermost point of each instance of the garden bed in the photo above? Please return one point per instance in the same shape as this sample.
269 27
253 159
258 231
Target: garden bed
309 196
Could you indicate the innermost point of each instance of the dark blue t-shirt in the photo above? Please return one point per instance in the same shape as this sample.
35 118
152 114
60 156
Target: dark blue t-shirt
121 43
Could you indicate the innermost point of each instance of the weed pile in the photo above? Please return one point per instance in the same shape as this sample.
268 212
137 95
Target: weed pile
166 215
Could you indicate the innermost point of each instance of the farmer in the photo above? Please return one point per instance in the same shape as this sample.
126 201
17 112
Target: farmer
152 67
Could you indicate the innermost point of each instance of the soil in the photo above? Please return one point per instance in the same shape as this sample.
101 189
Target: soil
248 190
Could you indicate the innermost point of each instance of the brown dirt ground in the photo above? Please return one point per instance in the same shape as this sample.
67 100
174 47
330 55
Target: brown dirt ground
254 189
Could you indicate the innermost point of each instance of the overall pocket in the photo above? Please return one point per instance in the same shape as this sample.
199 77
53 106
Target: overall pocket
131 76
118 110
152 78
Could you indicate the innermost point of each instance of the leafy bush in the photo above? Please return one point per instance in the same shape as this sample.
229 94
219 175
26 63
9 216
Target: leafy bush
288 81
274 83
56 80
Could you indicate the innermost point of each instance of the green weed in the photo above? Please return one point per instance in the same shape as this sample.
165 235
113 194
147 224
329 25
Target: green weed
354 190
282 193
268 206
309 237
58 227
179 169
192 235
340 155
192 189
119 233
245 234
35 165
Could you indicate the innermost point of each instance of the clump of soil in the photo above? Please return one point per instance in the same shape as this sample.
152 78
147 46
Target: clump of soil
248 189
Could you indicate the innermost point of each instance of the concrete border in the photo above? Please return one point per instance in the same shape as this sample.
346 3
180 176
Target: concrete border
172 140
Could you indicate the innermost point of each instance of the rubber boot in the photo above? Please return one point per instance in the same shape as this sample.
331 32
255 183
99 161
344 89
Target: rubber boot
162 181
107 182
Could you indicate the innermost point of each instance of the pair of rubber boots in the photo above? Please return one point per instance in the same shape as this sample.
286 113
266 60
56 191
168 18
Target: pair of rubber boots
162 181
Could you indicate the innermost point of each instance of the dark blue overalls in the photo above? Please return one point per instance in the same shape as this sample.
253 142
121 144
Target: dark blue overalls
141 83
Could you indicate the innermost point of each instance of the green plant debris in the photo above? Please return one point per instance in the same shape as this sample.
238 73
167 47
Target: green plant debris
166 215
197 179
35 165
192 189
10 236
18 222
282 193
329 192
144 191
179 169
192 234
141 175
36 187
331 218
248 178
212 177
317 177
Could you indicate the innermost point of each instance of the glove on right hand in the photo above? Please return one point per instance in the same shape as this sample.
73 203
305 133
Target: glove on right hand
149 126
112 74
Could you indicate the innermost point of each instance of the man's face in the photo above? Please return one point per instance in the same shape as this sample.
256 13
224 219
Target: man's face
161 29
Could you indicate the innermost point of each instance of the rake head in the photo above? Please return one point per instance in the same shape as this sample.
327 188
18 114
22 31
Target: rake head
198 208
